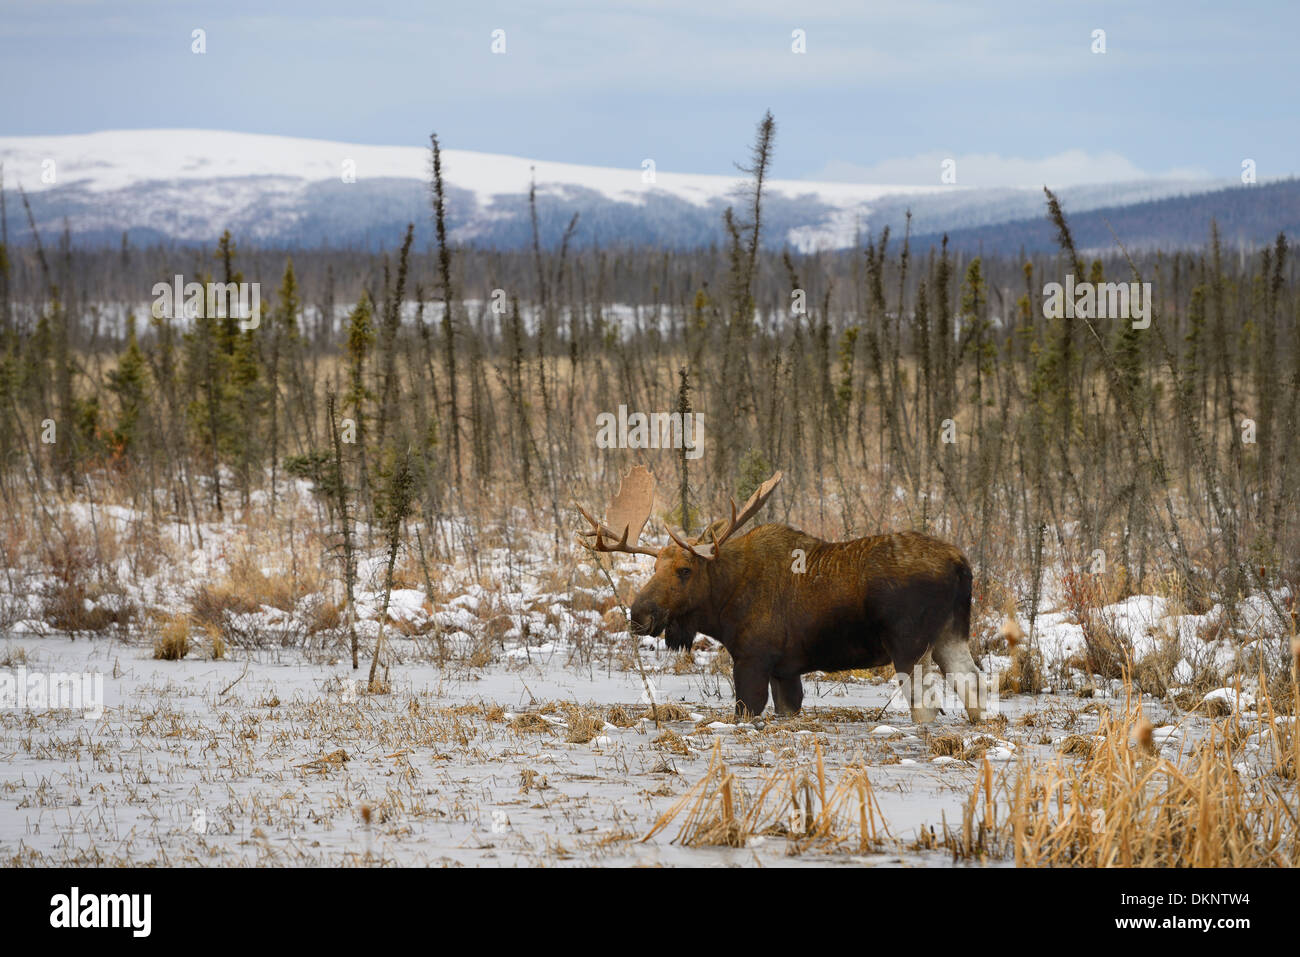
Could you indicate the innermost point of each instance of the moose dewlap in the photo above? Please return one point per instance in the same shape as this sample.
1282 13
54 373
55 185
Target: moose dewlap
784 603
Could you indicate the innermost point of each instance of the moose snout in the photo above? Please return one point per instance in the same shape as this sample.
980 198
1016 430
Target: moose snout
647 617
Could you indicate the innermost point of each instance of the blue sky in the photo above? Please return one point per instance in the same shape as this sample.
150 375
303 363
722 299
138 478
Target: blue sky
1012 90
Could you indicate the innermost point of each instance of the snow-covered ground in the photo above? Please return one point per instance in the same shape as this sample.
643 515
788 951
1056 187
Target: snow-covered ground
1152 626
272 758
241 762
515 729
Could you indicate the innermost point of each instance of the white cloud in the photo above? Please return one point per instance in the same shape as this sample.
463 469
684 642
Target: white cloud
1069 168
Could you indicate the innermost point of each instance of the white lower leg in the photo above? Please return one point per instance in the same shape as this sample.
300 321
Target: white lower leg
920 690
965 679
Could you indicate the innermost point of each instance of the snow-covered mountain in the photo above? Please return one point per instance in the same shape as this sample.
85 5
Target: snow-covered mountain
190 185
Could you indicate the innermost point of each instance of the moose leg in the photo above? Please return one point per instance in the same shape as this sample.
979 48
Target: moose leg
952 654
751 679
918 691
787 695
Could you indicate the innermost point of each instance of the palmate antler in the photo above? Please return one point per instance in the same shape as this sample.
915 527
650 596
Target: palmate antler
630 510
738 519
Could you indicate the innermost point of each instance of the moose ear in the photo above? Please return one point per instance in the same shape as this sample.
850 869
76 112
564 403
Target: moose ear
703 551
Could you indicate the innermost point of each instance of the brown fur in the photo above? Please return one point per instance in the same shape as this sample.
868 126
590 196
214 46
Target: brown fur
873 601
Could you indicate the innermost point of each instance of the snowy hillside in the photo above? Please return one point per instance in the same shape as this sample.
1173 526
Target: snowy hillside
101 162
190 185
149 179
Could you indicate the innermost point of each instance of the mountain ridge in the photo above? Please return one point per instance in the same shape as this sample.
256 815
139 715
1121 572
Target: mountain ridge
187 186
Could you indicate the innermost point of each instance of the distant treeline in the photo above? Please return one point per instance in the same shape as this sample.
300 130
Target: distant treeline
371 216
902 383
1248 218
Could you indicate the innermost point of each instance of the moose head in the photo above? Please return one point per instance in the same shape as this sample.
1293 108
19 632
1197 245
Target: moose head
679 594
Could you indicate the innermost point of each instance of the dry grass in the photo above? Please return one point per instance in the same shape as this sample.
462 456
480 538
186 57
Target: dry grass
82 596
1086 591
669 711
620 717
583 725
13 656
1107 653
173 641
324 616
854 675
842 715
1123 806
246 589
1109 799
530 780
961 747
1079 745
1025 676
72 607
800 722
672 742
531 723
211 604
481 654
217 647
789 802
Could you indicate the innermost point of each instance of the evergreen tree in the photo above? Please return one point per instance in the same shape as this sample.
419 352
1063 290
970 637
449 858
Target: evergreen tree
129 383
361 336
207 367
280 332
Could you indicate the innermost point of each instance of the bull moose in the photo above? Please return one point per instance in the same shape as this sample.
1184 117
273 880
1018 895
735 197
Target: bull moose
784 603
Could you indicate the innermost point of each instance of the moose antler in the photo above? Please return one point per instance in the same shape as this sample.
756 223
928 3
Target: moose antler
756 501
629 510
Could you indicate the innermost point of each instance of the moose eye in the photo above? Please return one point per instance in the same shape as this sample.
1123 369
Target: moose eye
684 573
